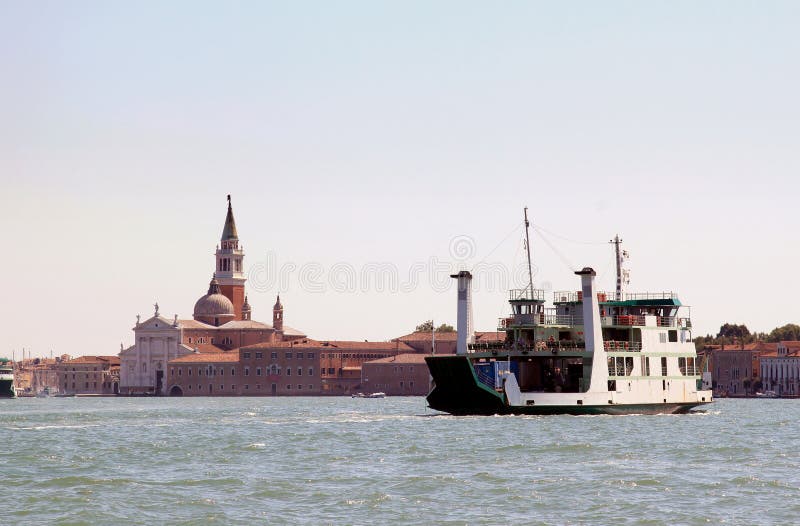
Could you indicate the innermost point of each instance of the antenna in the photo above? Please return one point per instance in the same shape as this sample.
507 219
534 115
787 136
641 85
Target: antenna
623 275
433 338
528 248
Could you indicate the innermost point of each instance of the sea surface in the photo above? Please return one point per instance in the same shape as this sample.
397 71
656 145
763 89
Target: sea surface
391 461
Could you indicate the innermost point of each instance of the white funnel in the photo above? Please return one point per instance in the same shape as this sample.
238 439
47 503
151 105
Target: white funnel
466 334
593 331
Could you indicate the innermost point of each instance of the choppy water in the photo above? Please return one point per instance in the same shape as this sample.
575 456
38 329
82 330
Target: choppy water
389 461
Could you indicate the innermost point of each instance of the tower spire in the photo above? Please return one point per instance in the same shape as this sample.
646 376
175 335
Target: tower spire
229 230
230 269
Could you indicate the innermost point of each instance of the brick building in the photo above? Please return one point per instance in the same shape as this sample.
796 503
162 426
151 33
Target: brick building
299 367
95 375
735 369
402 375
221 321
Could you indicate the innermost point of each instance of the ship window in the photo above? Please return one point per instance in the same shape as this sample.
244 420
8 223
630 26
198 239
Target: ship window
663 366
612 385
673 336
662 337
620 366
645 366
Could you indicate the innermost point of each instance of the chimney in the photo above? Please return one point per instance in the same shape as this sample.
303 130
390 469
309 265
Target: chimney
466 334
593 331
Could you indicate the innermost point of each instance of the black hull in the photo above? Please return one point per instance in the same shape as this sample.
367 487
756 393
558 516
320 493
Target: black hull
459 392
7 389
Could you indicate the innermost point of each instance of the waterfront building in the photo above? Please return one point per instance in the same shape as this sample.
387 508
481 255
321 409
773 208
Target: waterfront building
221 321
402 375
299 367
780 369
92 375
444 342
34 375
735 368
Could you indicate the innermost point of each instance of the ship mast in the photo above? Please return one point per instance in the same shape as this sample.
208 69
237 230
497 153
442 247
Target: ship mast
528 248
623 276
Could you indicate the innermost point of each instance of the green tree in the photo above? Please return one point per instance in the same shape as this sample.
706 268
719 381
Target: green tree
732 331
789 332
425 326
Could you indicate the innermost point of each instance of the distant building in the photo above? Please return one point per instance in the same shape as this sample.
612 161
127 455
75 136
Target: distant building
780 369
34 375
98 375
735 368
402 375
221 322
300 367
445 342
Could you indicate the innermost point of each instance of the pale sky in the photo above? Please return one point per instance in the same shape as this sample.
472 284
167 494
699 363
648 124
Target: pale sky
364 138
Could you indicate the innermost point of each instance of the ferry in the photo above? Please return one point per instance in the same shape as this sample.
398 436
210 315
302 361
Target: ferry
592 352
7 379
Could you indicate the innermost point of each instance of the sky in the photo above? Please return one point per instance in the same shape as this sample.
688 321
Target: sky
371 148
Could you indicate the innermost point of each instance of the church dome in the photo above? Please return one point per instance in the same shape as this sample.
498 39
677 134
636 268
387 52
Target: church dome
214 304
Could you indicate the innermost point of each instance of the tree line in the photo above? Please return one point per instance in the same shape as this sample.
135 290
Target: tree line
731 333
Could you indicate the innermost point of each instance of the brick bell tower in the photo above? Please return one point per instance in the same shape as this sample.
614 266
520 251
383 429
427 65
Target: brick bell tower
230 256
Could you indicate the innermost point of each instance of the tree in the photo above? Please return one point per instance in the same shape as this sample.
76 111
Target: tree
427 326
733 331
789 332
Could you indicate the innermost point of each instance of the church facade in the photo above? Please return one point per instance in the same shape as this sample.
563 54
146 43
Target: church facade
221 322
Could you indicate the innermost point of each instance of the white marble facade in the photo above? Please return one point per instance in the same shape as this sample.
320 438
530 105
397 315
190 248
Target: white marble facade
143 366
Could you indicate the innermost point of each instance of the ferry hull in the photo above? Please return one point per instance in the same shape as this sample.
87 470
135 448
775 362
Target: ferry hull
457 391
7 389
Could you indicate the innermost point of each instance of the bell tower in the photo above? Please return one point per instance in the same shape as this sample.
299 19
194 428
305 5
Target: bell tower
230 256
277 315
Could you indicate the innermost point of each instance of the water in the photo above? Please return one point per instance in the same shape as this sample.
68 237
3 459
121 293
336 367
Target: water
389 461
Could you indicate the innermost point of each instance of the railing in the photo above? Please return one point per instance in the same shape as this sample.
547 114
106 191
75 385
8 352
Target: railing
486 346
577 297
526 294
650 296
539 319
563 345
621 346
485 379
570 320
623 319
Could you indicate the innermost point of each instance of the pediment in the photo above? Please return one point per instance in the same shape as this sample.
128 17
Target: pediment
155 323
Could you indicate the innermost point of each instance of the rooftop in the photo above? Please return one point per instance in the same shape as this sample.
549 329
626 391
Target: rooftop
218 357
412 359
111 360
